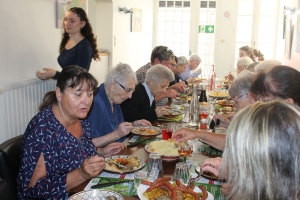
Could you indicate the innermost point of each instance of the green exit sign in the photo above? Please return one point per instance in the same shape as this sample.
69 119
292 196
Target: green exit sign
206 28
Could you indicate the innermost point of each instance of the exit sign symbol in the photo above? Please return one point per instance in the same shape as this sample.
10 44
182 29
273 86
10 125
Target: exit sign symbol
206 28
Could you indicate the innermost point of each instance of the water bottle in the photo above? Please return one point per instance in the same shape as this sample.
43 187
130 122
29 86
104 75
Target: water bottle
194 112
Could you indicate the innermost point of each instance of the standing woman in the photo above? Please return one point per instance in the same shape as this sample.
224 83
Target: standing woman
78 45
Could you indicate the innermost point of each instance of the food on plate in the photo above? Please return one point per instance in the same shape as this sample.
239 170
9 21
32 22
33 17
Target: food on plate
203 103
131 163
227 108
210 175
144 131
172 112
215 94
162 189
164 147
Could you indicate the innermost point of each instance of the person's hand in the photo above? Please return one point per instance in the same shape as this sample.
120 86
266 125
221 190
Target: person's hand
199 70
171 93
91 167
47 73
191 80
179 86
224 122
185 134
142 122
123 129
226 189
212 165
160 111
110 149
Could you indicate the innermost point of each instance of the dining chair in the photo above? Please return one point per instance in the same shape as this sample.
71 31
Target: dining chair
5 192
10 152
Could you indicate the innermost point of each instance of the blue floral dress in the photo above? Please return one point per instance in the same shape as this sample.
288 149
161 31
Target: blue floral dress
62 152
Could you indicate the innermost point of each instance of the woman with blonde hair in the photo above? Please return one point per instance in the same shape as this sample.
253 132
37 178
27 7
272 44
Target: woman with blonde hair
262 153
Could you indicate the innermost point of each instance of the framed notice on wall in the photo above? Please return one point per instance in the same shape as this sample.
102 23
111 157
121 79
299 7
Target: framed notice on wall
63 5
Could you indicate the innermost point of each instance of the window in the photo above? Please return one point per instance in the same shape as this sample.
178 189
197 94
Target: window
206 38
173 26
256 26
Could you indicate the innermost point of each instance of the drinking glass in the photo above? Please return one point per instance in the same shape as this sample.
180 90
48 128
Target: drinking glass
185 149
218 83
166 130
181 172
138 176
154 167
203 116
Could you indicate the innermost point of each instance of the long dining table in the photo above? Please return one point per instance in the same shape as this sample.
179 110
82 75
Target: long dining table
139 151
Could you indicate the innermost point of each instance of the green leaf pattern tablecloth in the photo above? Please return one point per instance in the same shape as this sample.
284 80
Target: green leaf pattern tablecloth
128 189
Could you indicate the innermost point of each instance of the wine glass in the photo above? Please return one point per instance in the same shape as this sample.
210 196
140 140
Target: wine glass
185 149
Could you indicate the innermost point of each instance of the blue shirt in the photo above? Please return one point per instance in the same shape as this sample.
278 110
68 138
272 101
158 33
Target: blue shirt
62 152
101 118
81 55
187 74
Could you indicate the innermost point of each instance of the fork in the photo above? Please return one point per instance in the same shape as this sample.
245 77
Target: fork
192 180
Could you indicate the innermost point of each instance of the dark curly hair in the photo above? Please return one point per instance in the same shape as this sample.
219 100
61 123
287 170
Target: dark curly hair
86 31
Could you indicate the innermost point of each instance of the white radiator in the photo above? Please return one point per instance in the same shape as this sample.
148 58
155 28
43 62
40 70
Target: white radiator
19 102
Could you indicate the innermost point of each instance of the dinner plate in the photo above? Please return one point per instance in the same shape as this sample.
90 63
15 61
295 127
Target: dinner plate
164 156
109 169
214 94
146 130
173 112
225 103
142 188
205 175
95 194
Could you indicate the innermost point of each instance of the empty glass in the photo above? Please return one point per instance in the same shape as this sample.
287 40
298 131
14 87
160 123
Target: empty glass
154 167
181 172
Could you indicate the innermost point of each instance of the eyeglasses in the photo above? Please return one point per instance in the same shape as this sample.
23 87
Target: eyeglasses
264 100
236 101
126 89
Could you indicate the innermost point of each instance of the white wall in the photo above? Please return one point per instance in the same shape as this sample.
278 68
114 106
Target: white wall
133 48
29 40
295 57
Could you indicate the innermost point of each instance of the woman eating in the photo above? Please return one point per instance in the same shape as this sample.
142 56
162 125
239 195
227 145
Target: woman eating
58 153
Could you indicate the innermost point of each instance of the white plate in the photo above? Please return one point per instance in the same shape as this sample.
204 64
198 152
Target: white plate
142 188
141 162
136 130
95 194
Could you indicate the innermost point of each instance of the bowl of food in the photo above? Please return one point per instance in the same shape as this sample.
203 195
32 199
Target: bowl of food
166 148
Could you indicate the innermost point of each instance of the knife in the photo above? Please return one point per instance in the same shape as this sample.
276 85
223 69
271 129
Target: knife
137 143
109 184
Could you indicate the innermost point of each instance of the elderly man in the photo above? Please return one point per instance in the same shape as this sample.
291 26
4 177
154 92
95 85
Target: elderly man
142 104
105 117
164 56
194 62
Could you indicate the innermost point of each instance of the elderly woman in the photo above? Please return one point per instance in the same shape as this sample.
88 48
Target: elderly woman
266 65
239 91
58 153
243 63
261 155
106 118
179 68
194 62
142 104
281 82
